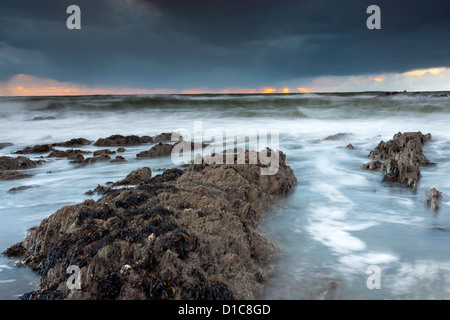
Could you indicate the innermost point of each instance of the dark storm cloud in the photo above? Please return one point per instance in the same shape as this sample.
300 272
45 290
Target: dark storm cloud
218 44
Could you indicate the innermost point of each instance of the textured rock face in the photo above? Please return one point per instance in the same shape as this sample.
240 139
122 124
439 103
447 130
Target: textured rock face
434 196
77 142
402 157
8 164
137 176
159 150
186 234
119 140
43 148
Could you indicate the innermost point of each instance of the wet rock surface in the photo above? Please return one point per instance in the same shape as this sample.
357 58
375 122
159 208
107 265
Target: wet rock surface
167 137
186 234
433 199
118 159
91 160
76 142
159 150
142 175
9 164
402 156
43 148
103 151
71 154
165 149
119 140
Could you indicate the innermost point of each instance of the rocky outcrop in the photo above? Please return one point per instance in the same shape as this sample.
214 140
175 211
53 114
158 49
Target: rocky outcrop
186 234
402 156
91 160
119 140
165 149
159 150
43 148
103 151
71 154
142 175
77 142
433 199
9 164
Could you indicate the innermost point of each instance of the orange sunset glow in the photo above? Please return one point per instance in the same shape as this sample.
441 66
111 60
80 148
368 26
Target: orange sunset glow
269 90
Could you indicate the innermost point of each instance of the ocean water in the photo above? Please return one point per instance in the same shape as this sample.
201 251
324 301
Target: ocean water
340 219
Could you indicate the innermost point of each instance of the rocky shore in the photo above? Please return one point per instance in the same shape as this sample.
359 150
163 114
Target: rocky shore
185 234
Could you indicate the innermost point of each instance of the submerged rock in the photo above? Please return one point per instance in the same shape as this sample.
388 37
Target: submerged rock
118 159
337 136
21 188
13 175
403 156
330 291
350 146
434 196
40 118
190 234
5 144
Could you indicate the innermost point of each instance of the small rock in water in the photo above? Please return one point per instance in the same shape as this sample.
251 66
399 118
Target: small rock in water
350 146
43 118
5 144
103 151
119 159
19 189
337 136
330 292
434 196
121 150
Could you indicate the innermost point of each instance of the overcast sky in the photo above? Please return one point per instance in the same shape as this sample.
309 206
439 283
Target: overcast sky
220 45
